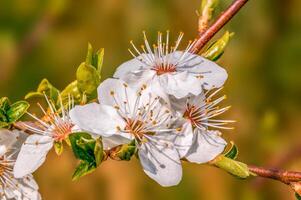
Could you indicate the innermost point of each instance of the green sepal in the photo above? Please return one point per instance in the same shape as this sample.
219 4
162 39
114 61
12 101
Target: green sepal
216 50
98 151
232 151
83 169
298 197
233 167
45 87
59 148
17 110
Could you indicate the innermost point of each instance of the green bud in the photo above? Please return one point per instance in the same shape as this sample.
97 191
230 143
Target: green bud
216 50
16 111
95 59
88 79
237 169
59 148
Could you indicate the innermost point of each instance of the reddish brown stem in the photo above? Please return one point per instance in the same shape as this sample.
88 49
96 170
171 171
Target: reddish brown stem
218 24
287 177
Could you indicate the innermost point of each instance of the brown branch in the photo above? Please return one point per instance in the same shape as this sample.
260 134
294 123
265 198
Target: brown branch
225 17
287 177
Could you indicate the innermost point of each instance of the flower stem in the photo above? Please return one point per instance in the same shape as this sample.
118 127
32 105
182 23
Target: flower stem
223 19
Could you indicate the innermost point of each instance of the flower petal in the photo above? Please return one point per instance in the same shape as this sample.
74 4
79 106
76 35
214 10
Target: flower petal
98 119
115 92
212 75
207 145
180 84
130 66
115 140
184 139
162 164
32 154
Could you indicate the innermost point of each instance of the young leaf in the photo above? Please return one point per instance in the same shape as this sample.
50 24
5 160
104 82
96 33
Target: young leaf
16 111
71 91
232 152
83 146
45 87
83 169
216 50
124 152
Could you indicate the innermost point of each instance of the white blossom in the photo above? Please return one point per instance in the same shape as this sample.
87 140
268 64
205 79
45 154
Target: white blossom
24 188
53 127
125 114
199 143
169 71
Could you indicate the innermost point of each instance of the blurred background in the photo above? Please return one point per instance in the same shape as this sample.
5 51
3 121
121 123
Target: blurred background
48 38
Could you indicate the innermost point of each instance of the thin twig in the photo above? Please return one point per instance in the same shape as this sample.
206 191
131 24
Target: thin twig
287 177
218 24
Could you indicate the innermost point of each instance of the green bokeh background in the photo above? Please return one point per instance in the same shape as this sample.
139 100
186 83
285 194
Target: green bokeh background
49 39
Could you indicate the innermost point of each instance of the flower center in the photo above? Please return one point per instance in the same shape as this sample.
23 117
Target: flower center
62 131
164 68
135 127
193 114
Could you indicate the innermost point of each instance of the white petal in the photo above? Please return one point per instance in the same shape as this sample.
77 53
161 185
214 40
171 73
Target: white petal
116 140
184 139
121 94
206 146
98 119
162 164
32 154
213 75
180 84
130 66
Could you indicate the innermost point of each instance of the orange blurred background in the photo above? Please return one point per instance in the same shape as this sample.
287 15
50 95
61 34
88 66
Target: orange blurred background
48 39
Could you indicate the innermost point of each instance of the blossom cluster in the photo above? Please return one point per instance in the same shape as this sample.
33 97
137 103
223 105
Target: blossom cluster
164 101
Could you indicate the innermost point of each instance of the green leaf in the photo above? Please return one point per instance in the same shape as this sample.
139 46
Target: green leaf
4 124
232 152
124 152
233 167
95 59
59 148
83 146
298 197
16 111
83 169
216 50
3 117
4 103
